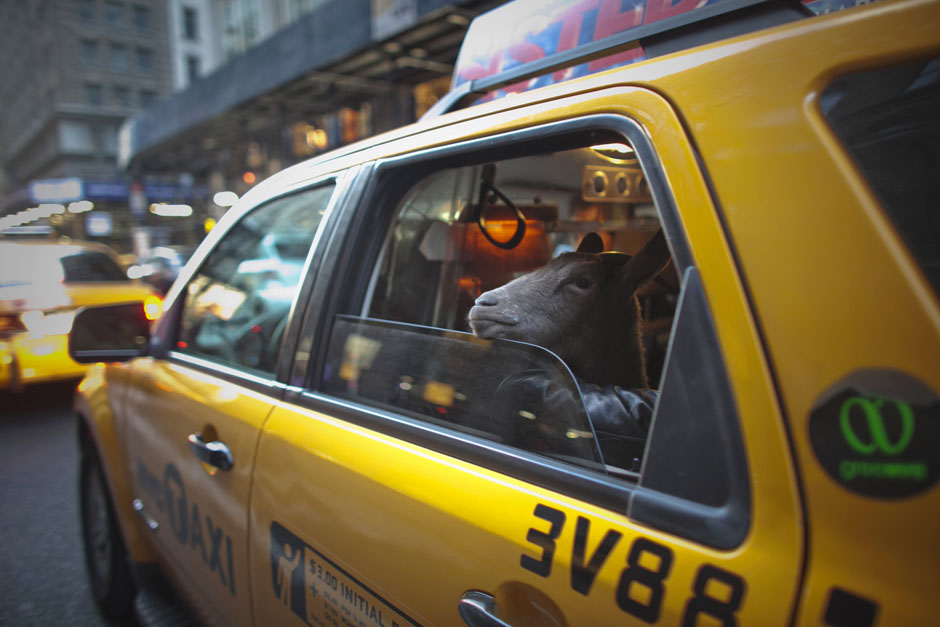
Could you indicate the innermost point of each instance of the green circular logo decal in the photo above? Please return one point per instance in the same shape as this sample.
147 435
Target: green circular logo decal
880 441
878 445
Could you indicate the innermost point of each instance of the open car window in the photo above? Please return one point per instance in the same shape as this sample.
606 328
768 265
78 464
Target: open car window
531 299
446 379
463 232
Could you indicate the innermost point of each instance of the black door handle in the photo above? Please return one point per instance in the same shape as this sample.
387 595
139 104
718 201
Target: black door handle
478 609
214 453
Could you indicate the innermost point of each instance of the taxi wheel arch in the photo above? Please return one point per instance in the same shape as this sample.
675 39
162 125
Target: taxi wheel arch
106 559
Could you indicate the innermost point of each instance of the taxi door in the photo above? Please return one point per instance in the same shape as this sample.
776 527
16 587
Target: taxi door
365 516
194 416
193 503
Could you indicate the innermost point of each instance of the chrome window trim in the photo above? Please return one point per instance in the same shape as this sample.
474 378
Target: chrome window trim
235 375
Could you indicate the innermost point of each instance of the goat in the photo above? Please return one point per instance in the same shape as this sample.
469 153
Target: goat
582 306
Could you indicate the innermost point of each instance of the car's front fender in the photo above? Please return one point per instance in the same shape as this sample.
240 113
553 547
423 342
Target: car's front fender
99 433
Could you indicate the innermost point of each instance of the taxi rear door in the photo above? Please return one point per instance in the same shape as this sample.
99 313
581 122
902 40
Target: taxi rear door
365 517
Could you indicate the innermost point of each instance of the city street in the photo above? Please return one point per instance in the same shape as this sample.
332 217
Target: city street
42 569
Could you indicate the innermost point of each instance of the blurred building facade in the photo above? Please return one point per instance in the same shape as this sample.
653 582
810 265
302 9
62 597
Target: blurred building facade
246 87
74 70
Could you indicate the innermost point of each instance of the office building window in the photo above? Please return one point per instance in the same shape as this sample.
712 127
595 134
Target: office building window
105 139
86 10
190 23
142 18
75 136
147 97
118 57
192 68
145 60
122 96
89 51
93 93
240 25
114 13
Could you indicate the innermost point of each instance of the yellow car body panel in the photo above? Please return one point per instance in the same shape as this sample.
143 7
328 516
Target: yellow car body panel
833 287
91 294
44 358
399 522
8 370
103 387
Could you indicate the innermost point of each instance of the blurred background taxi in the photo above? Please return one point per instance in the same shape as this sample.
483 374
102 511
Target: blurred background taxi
42 284
161 267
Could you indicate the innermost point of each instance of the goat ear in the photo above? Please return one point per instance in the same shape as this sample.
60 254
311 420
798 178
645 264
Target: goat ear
649 262
592 243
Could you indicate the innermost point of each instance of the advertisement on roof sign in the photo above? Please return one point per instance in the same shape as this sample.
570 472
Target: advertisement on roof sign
529 30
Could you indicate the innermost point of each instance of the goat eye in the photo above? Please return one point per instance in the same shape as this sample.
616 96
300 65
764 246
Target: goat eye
584 283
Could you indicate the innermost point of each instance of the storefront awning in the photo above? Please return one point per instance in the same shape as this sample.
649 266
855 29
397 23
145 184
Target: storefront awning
327 60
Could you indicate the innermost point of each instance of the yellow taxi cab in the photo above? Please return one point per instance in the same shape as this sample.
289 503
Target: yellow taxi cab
640 325
42 283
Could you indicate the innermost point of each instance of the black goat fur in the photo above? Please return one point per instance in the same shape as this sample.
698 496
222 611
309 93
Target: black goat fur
582 306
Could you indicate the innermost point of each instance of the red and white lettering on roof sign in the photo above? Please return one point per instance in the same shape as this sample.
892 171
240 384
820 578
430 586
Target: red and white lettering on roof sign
528 30
525 31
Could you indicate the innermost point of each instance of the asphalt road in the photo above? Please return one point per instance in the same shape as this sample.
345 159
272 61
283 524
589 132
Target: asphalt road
42 568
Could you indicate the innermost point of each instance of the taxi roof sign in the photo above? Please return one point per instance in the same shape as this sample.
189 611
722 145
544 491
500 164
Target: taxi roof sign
527 44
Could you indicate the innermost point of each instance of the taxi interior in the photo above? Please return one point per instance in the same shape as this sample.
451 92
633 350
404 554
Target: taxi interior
465 230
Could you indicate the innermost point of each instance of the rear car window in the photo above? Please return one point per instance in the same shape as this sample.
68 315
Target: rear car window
888 121
91 266
451 242
603 365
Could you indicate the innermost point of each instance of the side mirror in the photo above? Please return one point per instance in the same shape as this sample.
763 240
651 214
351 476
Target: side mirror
109 333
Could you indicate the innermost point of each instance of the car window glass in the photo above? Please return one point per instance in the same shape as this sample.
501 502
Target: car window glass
238 302
534 301
445 379
452 241
887 119
91 266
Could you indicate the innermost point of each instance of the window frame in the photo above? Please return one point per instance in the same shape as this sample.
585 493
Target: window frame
121 95
94 94
144 57
85 10
192 68
190 23
114 13
345 289
118 57
90 51
142 17
168 329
